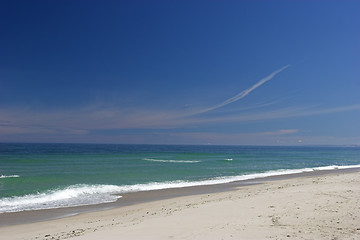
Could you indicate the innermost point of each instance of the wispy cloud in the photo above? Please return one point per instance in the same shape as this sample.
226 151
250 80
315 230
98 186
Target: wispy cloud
279 137
280 132
245 92
90 122
289 112
80 121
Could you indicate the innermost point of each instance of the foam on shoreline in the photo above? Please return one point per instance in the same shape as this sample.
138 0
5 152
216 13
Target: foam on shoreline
82 194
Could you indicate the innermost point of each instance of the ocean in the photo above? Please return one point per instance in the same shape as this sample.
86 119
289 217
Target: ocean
45 176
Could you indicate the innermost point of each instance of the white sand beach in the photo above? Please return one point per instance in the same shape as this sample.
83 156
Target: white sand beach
317 207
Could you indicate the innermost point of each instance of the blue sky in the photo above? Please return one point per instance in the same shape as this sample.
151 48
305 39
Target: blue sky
180 72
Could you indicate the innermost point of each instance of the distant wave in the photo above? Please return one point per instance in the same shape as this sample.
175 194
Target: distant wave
171 161
225 160
82 194
228 159
9 176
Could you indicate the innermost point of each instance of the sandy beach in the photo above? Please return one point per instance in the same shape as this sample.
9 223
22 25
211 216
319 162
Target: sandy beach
316 207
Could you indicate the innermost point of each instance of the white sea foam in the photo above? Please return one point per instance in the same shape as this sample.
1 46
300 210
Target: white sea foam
78 195
220 180
9 176
170 161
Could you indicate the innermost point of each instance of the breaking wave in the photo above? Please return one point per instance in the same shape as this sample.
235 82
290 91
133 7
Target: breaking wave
76 195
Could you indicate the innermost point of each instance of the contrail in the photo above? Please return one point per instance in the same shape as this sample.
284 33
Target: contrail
246 91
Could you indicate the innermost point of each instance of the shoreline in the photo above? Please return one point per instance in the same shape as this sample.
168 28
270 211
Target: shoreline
135 198
325 206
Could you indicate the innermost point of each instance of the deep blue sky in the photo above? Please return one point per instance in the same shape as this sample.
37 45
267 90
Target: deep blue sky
180 72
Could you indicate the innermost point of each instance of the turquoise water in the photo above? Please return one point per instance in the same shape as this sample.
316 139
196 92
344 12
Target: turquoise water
39 176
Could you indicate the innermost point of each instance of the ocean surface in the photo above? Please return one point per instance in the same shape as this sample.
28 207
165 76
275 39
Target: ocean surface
44 176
